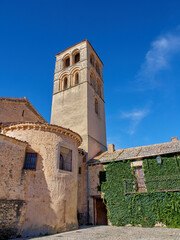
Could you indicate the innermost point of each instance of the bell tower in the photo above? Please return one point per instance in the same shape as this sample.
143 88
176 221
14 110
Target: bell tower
78 96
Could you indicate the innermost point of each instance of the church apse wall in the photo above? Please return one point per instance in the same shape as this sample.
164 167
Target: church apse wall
45 178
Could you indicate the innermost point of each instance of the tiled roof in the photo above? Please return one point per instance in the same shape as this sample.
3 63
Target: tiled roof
2 136
137 152
42 125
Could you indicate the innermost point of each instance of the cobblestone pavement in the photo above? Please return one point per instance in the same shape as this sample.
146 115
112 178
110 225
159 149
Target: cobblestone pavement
114 233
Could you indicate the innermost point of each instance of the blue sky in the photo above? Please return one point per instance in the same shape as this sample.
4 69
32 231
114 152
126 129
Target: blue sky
138 42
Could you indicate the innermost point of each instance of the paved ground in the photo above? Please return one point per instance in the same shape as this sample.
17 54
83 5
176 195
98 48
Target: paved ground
114 233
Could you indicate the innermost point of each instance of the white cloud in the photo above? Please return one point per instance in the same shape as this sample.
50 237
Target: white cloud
135 118
159 56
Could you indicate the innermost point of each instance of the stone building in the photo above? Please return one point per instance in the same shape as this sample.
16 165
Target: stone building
39 172
78 104
50 173
39 165
18 110
152 171
46 188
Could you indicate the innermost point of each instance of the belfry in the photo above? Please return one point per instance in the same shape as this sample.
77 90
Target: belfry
78 96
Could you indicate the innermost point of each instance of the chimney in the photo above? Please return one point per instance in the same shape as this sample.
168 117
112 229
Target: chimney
174 139
111 148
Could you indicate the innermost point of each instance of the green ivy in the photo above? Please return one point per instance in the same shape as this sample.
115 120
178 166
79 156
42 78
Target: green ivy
162 176
148 208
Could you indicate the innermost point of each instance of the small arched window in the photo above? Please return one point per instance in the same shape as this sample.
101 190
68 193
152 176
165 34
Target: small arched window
67 62
92 59
99 88
76 78
92 80
96 106
97 68
77 57
100 91
65 83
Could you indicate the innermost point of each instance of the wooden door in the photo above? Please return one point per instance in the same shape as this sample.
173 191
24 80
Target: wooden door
100 212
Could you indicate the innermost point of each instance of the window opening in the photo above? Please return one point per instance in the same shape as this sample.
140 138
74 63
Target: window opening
97 68
92 59
96 106
67 62
99 88
141 187
77 58
65 160
102 177
65 83
76 78
30 161
92 80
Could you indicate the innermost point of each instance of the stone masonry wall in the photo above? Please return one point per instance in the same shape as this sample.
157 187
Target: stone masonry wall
12 205
16 112
51 193
11 163
10 212
93 183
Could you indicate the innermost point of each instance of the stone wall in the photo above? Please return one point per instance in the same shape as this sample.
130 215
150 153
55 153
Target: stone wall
11 163
93 191
17 112
12 186
82 190
50 193
10 213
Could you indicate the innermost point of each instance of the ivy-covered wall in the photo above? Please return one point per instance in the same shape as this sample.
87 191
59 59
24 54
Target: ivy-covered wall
148 208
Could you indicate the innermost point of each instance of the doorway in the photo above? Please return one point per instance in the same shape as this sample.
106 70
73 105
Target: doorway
100 215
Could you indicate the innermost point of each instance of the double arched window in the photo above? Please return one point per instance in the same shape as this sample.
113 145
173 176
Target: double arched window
96 64
92 80
67 60
97 68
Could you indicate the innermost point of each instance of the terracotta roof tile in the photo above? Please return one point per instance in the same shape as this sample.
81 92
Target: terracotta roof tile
137 152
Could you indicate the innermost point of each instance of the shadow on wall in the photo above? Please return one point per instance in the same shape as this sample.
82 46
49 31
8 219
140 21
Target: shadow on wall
40 218
32 215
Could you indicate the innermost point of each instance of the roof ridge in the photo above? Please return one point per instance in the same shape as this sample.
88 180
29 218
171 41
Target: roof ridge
144 146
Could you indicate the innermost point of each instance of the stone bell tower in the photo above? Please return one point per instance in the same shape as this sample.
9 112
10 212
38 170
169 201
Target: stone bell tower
78 96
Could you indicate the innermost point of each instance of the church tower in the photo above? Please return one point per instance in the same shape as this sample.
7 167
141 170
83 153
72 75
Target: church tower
78 96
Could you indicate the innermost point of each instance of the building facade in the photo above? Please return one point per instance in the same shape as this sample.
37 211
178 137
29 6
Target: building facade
54 177
78 104
78 96
139 186
39 177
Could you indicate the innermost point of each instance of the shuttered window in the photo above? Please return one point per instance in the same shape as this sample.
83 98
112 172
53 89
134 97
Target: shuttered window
30 161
